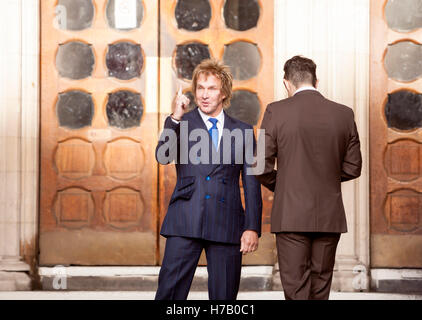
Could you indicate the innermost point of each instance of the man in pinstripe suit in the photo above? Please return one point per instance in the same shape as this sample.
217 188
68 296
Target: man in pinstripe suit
205 210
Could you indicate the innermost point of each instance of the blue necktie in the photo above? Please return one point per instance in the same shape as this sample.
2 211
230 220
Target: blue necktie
214 131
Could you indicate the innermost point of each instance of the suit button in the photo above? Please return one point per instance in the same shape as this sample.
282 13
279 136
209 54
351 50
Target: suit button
208 178
207 197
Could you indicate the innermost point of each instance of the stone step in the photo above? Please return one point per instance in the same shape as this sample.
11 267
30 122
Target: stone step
139 278
193 295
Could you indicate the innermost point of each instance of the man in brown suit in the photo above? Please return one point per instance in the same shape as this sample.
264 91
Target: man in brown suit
316 145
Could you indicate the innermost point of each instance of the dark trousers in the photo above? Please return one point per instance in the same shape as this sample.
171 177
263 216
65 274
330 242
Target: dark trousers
181 256
306 262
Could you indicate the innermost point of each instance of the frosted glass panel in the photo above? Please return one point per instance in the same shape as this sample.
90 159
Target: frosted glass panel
241 15
404 15
188 56
120 14
74 14
403 110
124 109
124 60
245 106
243 58
75 109
193 15
403 61
75 60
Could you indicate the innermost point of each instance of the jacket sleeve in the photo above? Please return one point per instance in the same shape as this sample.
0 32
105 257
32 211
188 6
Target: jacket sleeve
168 144
352 161
253 198
269 175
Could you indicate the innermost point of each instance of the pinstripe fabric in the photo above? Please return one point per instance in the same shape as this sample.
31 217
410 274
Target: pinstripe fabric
180 260
206 202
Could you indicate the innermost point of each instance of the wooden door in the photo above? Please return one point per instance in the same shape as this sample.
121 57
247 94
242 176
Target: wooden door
109 72
396 134
99 126
240 33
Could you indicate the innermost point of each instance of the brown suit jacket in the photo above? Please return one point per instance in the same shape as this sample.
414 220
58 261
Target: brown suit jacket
316 144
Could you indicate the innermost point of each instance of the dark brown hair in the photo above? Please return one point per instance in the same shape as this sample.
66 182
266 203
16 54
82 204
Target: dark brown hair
299 70
219 70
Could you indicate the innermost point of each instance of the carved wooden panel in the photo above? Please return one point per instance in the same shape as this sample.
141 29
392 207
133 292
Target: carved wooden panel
396 135
73 208
124 159
74 158
403 160
124 208
403 210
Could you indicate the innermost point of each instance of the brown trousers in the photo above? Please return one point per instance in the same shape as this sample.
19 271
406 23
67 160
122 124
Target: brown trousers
306 261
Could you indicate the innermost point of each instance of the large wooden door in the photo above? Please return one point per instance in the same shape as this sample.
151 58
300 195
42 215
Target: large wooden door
110 71
98 129
396 134
241 34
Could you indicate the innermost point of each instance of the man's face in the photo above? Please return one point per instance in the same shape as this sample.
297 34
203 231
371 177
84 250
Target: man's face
208 94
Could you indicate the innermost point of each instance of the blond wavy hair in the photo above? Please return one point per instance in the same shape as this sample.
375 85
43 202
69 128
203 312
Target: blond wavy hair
220 71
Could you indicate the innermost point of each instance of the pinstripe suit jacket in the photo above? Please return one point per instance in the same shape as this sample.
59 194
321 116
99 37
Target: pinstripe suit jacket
206 202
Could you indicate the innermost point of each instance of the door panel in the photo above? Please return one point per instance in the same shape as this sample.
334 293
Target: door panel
395 135
98 172
233 32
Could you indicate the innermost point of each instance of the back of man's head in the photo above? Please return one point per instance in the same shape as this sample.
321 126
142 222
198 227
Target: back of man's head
300 71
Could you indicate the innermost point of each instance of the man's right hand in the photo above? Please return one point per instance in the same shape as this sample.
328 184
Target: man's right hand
182 102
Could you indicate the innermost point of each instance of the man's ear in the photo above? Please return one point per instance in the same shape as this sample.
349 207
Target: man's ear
289 87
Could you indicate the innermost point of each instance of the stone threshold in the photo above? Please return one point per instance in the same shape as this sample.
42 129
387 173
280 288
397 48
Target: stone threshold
397 280
254 278
193 295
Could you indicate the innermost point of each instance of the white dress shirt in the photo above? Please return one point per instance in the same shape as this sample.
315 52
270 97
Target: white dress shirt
305 88
208 124
220 123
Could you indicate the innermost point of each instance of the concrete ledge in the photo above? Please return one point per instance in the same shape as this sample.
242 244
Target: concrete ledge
397 280
199 295
138 278
259 278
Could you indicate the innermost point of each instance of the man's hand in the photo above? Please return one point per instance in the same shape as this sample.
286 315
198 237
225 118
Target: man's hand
182 103
249 241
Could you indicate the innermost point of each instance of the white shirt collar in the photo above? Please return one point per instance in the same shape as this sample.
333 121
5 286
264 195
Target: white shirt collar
219 117
305 88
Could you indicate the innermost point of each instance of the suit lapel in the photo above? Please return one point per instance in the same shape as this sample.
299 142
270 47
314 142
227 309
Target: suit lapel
198 123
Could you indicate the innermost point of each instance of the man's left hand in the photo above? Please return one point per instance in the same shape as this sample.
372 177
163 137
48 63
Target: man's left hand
249 241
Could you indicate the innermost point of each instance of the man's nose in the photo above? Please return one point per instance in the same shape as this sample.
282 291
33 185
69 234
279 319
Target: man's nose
205 94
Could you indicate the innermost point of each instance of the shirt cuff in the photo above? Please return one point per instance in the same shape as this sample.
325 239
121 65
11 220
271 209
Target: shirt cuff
174 120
